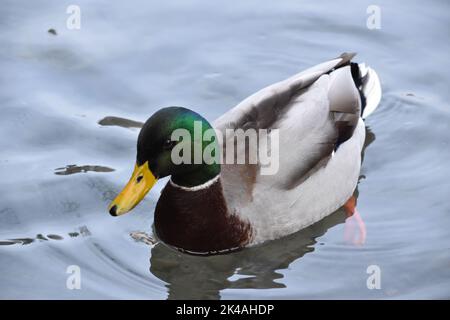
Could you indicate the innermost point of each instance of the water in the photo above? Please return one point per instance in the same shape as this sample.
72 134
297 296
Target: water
128 61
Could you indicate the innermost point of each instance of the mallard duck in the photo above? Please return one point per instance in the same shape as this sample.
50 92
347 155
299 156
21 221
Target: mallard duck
209 208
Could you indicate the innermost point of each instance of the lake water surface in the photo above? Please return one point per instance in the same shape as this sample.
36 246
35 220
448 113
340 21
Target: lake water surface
59 168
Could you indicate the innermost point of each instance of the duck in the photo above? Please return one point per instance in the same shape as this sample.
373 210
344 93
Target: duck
317 119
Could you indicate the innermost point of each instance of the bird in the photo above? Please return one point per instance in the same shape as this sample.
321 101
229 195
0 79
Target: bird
316 117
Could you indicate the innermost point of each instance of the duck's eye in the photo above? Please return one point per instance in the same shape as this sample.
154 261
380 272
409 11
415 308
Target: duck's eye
168 144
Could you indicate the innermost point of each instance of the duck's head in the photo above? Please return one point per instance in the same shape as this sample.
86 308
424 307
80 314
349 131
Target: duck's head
156 146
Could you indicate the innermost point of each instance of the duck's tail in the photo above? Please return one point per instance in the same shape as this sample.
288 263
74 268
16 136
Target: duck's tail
368 84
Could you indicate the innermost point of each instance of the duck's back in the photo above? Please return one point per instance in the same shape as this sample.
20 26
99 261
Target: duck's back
317 115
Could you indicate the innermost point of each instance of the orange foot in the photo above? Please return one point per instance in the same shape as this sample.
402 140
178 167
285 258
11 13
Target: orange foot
355 229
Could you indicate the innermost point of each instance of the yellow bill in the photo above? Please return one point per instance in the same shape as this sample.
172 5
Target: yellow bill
139 185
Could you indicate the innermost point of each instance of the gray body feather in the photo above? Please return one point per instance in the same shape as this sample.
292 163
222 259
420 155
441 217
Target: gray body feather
321 136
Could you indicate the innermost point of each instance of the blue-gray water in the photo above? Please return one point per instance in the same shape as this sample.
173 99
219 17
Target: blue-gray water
130 59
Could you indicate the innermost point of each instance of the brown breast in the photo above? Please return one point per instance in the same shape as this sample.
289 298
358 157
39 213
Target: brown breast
199 221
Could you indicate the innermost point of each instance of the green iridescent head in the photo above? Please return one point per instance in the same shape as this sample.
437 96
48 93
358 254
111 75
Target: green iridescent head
155 145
